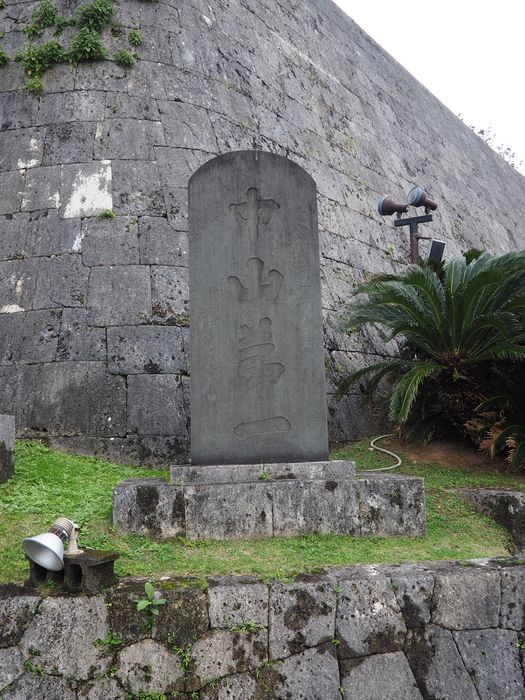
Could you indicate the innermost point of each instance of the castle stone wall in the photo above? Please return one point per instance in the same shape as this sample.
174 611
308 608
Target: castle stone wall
94 313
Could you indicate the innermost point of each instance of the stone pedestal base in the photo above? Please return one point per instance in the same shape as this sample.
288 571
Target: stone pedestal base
272 500
7 447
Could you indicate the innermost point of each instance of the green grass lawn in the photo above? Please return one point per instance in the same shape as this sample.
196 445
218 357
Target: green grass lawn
48 483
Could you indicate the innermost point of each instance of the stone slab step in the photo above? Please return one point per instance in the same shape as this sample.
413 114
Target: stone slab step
384 505
246 473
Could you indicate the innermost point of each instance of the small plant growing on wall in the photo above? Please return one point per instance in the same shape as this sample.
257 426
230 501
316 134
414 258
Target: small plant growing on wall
150 605
86 44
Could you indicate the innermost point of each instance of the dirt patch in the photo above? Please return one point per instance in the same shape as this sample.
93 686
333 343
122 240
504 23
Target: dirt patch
450 453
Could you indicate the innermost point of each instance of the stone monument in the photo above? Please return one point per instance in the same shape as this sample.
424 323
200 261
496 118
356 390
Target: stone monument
259 441
257 374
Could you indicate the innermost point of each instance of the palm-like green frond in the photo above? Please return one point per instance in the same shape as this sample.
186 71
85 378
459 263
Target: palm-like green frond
405 390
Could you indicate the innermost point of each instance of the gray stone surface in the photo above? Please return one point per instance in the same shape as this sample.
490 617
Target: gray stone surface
492 658
233 602
368 619
437 665
15 613
512 616
55 634
467 600
385 676
38 687
148 507
7 447
109 241
307 676
308 507
329 634
302 615
390 504
149 667
228 511
142 350
256 333
237 473
119 295
506 507
157 404
11 666
414 592
221 653
265 504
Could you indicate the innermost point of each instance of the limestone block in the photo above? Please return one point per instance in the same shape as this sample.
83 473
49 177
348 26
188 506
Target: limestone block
221 653
176 199
160 244
119 295
130 106
506 507
311 675
7 447
65 624
379 676
310 507
17 285
14 229
467 599
157 404
242 473
85 188
233 602
391 505
414 595
187 126
492 658
512 616
143 350
62 281
69 143
104 689
88 400
48 234
132 139
11 186
437 666
241 685
185 615
148 507
78 341
11 666
38 687
148 666
109 241
15 613
302 615
136 187
21 148
42 188
170 295
368 619
222 511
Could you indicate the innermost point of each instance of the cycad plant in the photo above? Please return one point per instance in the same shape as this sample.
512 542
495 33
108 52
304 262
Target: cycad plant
456 322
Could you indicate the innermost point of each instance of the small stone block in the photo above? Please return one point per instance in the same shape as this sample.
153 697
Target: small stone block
150 507
228 511
7 447
243 473
506 507
89 572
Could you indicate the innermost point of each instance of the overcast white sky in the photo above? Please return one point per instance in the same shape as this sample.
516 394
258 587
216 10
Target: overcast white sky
469 53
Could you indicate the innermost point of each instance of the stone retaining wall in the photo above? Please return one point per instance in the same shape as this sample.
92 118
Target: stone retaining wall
442 630
94 313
